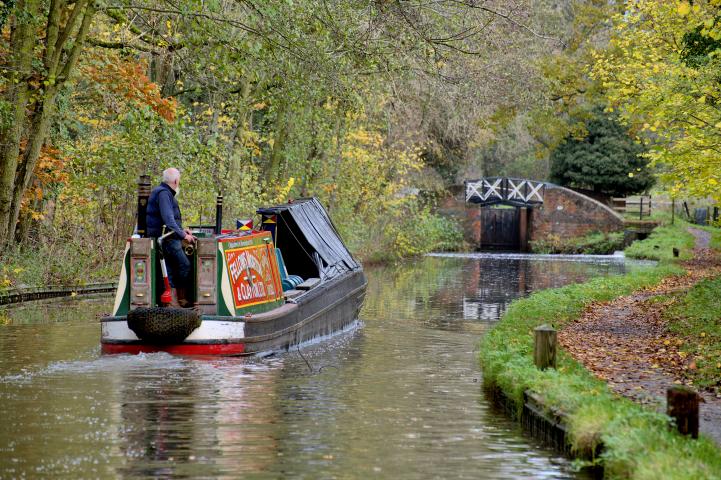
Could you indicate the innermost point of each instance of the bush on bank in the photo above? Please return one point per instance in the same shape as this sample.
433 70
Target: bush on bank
407 230
58 263
637 442
596 243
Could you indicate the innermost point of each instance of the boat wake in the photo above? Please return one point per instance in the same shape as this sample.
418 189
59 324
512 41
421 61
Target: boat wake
101 364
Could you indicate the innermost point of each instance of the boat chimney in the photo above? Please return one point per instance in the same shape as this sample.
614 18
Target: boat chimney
143 194
218 214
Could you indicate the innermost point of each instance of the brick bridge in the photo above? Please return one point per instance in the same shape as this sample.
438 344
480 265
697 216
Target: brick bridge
507 213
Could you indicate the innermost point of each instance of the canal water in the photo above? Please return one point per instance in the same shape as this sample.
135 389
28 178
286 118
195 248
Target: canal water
397 397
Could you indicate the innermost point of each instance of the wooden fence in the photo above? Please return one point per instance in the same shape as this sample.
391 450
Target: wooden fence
640 205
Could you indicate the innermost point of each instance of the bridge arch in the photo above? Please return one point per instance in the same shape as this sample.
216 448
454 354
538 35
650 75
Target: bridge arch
520 210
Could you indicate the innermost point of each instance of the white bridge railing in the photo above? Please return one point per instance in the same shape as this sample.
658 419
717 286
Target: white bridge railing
511 191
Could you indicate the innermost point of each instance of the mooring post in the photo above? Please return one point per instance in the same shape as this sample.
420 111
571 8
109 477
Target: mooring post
544 347
523 229
682 406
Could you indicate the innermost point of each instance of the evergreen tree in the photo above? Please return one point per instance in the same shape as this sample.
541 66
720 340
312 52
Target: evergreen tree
606 161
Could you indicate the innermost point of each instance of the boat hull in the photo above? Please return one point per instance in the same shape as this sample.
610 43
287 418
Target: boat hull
329 308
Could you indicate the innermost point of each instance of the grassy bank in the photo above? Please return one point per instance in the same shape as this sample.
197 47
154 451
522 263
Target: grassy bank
637 442
58 263
597 243
660 244
694 318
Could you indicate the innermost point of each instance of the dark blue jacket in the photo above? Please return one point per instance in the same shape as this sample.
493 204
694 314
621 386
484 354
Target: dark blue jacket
162 210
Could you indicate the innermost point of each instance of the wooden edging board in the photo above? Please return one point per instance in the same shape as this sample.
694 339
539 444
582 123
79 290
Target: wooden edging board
543 423
20 295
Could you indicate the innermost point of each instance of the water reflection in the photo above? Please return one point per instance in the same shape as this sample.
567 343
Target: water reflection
398 398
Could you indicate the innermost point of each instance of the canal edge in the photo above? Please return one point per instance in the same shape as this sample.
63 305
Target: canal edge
21 295
544 423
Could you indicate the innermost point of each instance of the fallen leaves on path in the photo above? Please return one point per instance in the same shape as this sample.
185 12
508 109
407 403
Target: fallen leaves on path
626 342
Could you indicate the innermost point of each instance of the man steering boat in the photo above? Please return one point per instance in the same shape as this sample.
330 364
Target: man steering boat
163 211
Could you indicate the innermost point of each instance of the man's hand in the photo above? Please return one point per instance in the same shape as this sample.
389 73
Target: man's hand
189 236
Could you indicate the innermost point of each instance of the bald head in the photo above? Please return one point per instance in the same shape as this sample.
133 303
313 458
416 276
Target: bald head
171 175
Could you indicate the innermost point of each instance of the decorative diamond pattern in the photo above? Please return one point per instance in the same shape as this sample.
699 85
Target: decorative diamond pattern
513 191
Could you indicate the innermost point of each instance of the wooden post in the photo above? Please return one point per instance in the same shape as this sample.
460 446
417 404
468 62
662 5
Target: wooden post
523 229
219 214
673 210
676 252
544 348
682 406
479 245
640 209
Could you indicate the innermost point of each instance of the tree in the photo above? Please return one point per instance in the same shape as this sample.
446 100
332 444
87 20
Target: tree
606 160
660 73
34 72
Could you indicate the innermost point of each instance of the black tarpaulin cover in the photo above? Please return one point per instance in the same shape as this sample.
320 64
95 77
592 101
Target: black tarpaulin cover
308 240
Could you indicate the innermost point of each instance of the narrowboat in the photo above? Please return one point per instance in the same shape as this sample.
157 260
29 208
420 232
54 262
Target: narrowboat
253 292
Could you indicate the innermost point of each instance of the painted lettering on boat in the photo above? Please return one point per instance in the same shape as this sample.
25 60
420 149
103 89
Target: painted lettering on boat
253 277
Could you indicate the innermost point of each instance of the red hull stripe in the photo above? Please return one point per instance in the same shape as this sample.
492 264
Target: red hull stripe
185 349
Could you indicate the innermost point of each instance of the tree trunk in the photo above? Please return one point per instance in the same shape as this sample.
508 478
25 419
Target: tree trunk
15 177
22 232
22 41
36 138
340 136
281 135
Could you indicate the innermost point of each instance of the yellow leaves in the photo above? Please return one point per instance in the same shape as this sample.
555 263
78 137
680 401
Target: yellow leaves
284 191
683 8
712 181
646 78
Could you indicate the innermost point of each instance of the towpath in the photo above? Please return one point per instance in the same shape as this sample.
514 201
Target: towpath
626 341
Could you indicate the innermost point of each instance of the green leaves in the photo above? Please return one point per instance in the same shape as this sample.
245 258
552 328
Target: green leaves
606 160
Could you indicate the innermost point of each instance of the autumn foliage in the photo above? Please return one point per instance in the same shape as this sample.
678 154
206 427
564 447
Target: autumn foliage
127 79
49 171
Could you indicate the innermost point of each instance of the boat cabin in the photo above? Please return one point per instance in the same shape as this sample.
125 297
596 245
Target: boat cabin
245 271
